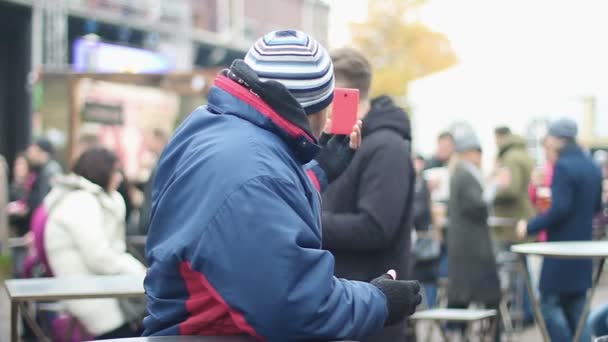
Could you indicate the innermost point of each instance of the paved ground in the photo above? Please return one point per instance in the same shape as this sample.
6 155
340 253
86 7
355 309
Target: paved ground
600 298
530 335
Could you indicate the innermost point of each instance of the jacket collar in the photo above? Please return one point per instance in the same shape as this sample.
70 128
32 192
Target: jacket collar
571 148
512 142
240 96
66 184
475 171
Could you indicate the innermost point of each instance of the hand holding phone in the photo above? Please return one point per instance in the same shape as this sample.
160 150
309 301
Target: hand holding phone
344 111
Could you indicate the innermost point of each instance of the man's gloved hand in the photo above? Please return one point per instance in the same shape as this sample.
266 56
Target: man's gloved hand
402 297
335 156
324 139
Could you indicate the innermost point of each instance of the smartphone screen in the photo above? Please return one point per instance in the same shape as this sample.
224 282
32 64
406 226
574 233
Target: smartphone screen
344 110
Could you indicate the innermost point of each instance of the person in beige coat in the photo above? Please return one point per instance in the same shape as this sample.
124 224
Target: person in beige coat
85 235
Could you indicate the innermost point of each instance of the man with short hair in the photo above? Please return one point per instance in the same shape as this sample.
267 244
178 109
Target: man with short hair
367 211
575 199
445 150
234 246
512 201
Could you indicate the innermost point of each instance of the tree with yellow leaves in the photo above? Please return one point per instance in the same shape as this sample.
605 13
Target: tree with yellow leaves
400 48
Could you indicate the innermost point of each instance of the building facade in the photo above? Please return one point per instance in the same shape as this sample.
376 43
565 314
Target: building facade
44 35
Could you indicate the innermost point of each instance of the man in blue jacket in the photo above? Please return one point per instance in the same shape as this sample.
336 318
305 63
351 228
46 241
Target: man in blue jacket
234 244
575 199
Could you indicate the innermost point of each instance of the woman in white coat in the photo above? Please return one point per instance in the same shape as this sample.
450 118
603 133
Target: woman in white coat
85 235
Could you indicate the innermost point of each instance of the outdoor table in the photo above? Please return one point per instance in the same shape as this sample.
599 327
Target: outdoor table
187 339
139 240
22 291
467 316
562 250
191 339
17 242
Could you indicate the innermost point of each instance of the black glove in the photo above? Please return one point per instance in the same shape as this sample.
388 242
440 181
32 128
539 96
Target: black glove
324 139
335 156
402 297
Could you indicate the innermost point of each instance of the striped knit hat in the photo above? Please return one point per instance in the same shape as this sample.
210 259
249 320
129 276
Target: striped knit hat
297 61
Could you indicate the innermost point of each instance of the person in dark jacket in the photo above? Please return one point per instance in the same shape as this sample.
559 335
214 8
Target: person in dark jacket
367 211
40 157
21 178
234 245
425 271
575 199
473 274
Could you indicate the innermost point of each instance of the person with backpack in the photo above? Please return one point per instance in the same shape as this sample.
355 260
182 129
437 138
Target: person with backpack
426 248
84 234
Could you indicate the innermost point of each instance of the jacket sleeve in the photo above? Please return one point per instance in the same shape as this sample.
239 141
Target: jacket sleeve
513 191
276 275
382 195
82 216
561 202
599 201
37 193
470 196
422 207
146 208
43 186
316 175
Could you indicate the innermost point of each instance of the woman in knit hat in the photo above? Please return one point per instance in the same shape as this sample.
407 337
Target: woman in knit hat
472 275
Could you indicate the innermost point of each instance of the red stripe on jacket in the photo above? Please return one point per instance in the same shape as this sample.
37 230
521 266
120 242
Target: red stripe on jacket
258 104
209 313
315 180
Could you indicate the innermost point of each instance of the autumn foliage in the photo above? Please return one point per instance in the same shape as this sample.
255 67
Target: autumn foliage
399 46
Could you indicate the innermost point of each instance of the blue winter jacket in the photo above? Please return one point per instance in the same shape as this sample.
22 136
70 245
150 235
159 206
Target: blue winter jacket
234 244
575 199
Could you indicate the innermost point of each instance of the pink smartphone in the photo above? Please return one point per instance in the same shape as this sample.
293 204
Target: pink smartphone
344 110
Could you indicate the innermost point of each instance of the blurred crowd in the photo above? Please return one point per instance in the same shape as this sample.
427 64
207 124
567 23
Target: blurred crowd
520 200
77 222
443 221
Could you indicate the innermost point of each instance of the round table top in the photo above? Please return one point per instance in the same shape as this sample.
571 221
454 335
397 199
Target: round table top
186 339
189 339
565 249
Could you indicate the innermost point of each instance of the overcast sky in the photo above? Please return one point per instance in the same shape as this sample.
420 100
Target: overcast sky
538 37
